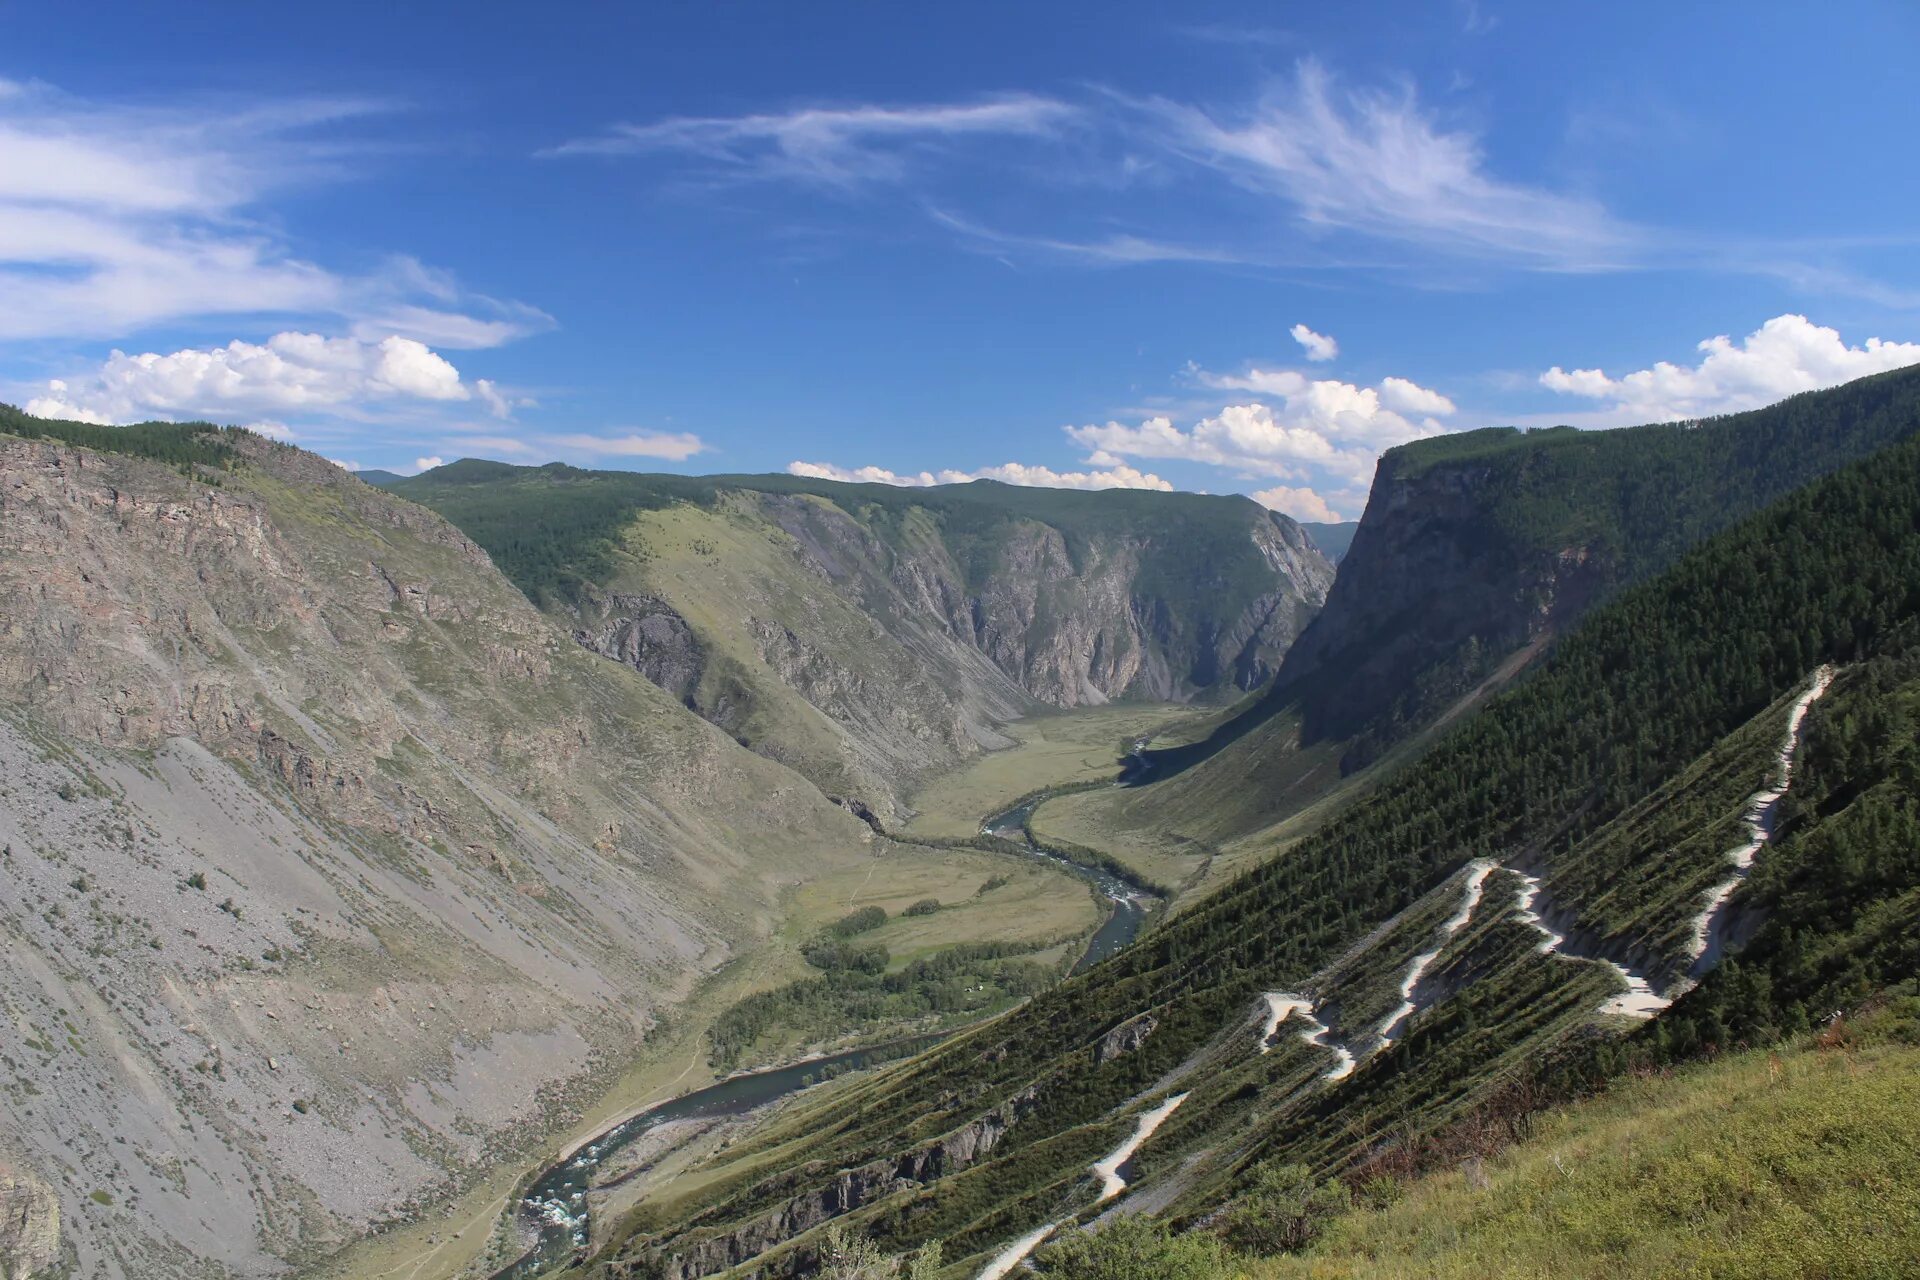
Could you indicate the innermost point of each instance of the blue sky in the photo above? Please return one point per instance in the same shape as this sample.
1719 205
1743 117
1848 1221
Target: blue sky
1241 249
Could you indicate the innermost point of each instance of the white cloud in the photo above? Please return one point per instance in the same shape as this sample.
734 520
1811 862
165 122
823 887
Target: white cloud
272 430
1300 503
425 464
1262 382
677 446
490 396
1380 164
1116 476
837 146
114 219
289 373
1318 346
1403 396
1786 355
1328 426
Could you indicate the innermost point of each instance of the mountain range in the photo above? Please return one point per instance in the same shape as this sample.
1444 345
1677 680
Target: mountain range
360 838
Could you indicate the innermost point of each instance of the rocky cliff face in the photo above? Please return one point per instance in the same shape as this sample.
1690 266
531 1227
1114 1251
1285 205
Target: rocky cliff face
1433 595
867 647
331 870
29 1224
708 1252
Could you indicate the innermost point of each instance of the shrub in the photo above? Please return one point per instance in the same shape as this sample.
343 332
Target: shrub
1133 1248
1285 1210
924 907
864 920
854 1257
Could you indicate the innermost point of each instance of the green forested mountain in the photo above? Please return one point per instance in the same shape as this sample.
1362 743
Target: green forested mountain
867 634
1478 550
1557 519
1647 693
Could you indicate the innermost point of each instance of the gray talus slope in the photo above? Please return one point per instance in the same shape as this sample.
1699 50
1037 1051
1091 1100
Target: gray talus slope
332 867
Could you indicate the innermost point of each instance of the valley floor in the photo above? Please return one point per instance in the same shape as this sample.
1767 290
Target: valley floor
1058 749
1034 903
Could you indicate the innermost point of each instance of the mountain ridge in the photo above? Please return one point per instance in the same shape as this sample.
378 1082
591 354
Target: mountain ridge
868 634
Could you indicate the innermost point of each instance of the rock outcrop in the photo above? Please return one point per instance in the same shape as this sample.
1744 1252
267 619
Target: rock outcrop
1433 595
705 1252
29 1224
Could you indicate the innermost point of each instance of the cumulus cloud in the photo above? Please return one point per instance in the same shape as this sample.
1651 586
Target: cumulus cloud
837 146
1403 396
1334 427
289 373
1319 347
1786 355
1116 476
425 464
1300 503
114 219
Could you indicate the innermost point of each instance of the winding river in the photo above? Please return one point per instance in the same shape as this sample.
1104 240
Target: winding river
1129 914
554 1208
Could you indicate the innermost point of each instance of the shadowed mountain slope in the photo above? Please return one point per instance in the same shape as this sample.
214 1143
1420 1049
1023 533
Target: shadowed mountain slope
1476 551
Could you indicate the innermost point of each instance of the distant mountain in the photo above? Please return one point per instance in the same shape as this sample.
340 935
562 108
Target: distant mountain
1476 551
866 634
375 476
1332 539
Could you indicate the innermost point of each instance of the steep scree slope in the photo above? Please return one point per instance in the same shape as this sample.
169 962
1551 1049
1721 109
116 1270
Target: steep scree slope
329 867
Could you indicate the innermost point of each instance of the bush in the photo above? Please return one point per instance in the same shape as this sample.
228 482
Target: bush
924 907
837 957
1285 1210
854 1257
991 883
865 920
1134 1248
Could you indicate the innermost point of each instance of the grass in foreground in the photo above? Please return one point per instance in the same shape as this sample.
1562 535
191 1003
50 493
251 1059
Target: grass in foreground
1799 1163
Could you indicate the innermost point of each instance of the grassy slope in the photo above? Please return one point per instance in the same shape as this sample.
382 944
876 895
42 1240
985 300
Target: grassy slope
877 682
1797 1163
722 568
